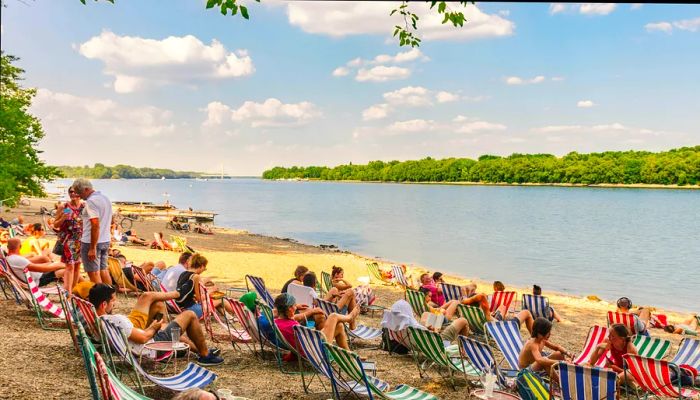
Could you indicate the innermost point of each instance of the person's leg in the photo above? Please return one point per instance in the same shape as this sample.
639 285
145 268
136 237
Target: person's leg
68 278
146 301
347 299
189 323
461 326
450 308
483 302
102 250
334 329
526 317
331 294
38 259
91 266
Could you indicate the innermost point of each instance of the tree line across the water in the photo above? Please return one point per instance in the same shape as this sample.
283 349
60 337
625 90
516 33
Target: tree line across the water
674 167
100 171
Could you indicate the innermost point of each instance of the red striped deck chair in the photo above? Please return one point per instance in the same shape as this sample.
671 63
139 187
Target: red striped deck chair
111 387
596 335
248 321
654 377
622 318
502 298
41 302
146 279
171 304
209 311
88 318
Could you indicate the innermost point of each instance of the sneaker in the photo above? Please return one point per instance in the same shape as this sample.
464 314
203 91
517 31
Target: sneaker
215 351
210 360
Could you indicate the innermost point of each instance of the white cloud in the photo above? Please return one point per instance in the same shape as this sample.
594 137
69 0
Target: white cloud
377 111
472 125
659 26
616 126
557 128
382 73
611 127
585 104
516 80
635 6
504 13
68 115
136 62
556 8
412 126
340 71
584 8
338 19
558 78
446 97
691 25
415 96
217 114
274 113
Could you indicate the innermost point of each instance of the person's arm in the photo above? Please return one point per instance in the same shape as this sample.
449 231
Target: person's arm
94 237
555 347
142 336
195 282
58 222
543 362
597 352
341 284
45 267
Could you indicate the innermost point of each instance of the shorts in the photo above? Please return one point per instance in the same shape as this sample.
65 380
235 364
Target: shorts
138 318
166 335
100 262
450 333
47 278
197 309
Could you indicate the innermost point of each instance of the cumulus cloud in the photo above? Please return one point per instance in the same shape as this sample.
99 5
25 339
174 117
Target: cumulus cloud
381 61
377 111
70 116
611 127
475 125
340 71
446 97
584 8
412 126
415 96
556 8
271 113
516 80
136 62
382 73
339 19
690 25
659 26
409 96
585 104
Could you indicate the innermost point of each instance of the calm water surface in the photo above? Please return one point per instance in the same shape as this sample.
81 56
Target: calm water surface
639 243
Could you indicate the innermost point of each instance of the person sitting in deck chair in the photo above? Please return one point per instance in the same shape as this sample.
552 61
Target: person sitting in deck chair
188 287
401 317
170 276
618 343
42 270
160 242
687 327
531 356
140 327
642 316
364 296
344 299
298 275
35 245
537 291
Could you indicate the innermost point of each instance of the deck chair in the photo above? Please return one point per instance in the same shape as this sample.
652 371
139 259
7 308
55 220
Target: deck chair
531 387
66 306
232 334
87 316
115 270
348 363
281 345
248 321
417 301
302 294
360 332
654 377
482 359
43 306
399 277
376 275
311 343
259 285
538 306
475 317
577 382
171 305
146 279
499 299
451 292
431 346
622 318
688 353
652 347
88 351
506 335
111 387
326 281
181 244
596 335
193 376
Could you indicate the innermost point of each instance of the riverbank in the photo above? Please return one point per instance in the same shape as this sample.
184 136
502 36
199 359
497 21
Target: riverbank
38 363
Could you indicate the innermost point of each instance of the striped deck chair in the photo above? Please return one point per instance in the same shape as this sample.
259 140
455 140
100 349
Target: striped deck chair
181 244
281 345
596 335
475 317
20 294
652 347
499 299
360 332
233 334
376 275
654 377
326 281
399 277
538 306
688 353
622 318
193 376
585 383
146 279
62 297
171 304
259 285
87 316
349 364
417 301
42 305
111 387
311 344
451 292
248 321
88 351
506 335
431 346
531 386
481 357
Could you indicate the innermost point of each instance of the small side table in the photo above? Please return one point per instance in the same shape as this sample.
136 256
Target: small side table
165 347
497 395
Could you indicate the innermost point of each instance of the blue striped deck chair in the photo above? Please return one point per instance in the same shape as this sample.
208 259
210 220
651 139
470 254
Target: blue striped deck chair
585 383
538 306
193 376
651 347
688 353
259 285
481 357
506 335
431 346
475 317
531 387
349 364
451 292
360 332
311 343
399 277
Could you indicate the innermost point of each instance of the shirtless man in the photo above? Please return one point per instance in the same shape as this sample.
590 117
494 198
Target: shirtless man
531 356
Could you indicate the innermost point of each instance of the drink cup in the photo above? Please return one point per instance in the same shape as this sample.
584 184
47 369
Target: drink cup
490 383
225 394
175 332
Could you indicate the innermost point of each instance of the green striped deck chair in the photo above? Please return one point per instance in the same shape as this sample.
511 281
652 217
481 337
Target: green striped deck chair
181 243
326 281
349 364
652 347
417 301
431 346
531 386
475 317
282 344
376 275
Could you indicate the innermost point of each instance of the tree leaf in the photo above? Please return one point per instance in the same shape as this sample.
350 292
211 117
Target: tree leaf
244 12
211 3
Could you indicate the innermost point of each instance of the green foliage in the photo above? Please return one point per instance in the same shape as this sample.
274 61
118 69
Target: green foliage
100 171
21 170
229 5
673 167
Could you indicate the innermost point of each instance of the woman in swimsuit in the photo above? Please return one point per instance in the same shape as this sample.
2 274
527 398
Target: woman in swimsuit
618 343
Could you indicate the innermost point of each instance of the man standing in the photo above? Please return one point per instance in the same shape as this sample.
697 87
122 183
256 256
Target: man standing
94 244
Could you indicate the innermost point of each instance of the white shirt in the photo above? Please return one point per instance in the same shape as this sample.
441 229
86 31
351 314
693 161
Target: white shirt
126 326
170 276
18 264
97 206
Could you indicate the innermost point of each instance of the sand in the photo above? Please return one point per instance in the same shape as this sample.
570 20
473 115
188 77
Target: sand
36 363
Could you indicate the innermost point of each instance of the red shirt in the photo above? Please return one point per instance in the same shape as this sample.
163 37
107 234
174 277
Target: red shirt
286 326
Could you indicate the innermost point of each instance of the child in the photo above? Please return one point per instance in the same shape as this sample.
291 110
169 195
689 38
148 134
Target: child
617 345
531 356
537 291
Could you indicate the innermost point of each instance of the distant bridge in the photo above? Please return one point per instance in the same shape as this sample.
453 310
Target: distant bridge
217 176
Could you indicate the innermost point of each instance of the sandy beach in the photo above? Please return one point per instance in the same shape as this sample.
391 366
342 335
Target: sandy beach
43 364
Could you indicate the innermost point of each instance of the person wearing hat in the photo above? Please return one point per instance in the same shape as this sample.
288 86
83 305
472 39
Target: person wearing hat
641 315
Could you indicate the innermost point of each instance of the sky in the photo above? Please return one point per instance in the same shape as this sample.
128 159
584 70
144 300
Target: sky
169 84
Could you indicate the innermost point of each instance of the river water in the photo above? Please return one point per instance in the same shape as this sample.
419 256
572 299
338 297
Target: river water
640 243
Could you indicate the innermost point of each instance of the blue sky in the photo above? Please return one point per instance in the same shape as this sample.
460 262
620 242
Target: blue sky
169 84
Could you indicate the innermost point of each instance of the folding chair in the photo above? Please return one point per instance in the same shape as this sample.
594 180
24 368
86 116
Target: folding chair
451 292
622 318
209 311
596 335
376 275
259 285
654 377
499 299
475 317
482 359
538 306
399 277
688 353
652 347
431 346
360 332
417 301
577 382
506 335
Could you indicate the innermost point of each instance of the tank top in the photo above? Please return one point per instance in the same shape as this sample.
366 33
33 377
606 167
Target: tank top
615 356
185 286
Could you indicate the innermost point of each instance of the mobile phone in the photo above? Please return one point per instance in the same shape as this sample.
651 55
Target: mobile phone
158 316
66 210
